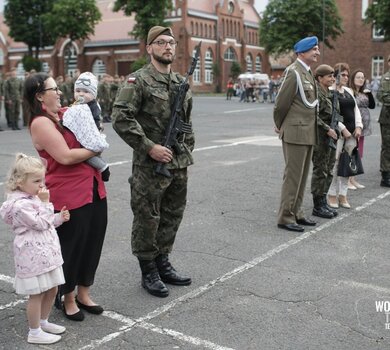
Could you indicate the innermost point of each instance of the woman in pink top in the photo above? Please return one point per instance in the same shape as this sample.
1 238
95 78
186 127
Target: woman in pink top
37 251
73 183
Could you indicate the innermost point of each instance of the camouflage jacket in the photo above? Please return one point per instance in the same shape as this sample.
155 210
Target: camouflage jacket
142 112
13 89
384 97
325 101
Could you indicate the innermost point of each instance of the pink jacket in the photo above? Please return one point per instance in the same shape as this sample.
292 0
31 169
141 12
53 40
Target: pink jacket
36 245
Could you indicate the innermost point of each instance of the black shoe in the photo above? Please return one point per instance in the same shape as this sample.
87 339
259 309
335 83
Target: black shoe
106 174
324 203
94 309
306 222
1 129
78 316
322 212
168 274
385 182
291 227
151 280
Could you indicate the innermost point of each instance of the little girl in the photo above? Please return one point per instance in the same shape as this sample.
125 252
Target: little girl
37 251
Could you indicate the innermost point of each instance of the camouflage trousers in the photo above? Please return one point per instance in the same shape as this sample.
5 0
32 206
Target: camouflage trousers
385 148
323 160
158 205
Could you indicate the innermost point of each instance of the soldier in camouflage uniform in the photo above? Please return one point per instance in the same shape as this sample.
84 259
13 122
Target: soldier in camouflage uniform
104 98
324 157
384 121
141 113
12 97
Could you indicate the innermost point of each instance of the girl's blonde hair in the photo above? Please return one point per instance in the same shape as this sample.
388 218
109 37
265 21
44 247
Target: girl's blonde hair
22 167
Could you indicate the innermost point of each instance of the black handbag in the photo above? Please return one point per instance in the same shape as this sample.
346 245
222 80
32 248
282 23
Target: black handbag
350 165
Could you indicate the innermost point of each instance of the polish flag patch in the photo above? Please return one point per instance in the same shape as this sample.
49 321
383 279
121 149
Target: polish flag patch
131 80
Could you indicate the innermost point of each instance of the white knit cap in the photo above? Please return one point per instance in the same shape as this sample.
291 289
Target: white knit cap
87 81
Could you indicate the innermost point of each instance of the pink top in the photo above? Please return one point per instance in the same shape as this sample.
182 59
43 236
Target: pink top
71 185
36 245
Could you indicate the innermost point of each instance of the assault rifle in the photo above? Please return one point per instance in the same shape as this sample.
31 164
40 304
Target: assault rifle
335 116
176 125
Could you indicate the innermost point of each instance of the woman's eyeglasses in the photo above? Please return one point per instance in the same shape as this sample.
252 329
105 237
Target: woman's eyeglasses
56 89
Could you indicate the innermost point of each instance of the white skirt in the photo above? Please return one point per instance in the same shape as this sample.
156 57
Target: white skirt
39 284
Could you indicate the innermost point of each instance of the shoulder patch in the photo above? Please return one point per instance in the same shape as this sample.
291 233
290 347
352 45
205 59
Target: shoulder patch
131 80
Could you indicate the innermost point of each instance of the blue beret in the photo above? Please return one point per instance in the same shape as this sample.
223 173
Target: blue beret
306 44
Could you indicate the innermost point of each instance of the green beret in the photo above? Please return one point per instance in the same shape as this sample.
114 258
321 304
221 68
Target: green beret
323 70
155 31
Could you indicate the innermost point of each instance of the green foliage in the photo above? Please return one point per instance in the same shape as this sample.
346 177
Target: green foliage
378 13
139 63
235 70
30 63
287 21
75 19
147 14
216 69
25 21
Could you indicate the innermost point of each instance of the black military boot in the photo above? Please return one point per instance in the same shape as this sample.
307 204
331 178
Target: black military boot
319 209
325 203
168 274
385 182
151 280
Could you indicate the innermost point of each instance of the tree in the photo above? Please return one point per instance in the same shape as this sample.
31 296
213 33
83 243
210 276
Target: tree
286 21
75 19
24 19
235 70
378 14
139 63
147 14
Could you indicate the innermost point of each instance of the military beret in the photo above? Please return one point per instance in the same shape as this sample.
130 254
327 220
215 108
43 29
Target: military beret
306 44
323 70
155 31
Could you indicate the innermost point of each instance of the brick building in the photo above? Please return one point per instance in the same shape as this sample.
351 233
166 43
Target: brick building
228 30
362 45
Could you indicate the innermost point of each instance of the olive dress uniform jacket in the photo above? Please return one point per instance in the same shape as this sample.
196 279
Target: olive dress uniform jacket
295 115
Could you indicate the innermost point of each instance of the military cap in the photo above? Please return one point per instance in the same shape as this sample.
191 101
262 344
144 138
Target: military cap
323 70
305 44
155 31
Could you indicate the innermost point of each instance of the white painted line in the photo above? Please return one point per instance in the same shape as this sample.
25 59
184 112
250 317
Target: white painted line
12 304
180 336
253 263
369 286
7 279
244 110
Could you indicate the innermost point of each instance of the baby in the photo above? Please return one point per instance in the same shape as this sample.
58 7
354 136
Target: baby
83 119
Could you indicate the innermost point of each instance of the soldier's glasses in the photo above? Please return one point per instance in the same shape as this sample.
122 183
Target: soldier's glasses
56 89
163 43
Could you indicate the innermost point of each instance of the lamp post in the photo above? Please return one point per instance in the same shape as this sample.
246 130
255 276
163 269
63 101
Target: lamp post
323 32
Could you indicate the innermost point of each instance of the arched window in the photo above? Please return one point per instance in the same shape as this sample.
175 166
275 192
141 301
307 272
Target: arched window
45 67
179 12
229 55
201 30
1 57
258 64
70 56
249 63
20 70
192 28
196 29
99 68
377 66
208 67
196 75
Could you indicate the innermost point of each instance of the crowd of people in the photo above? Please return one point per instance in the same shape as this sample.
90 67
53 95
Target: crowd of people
56 204
11 94
323 118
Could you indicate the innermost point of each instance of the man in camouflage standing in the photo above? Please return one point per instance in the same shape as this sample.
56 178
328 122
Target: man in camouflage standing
141 113
384 121
12 97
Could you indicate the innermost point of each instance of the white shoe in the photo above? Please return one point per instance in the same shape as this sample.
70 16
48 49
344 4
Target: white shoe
357 184
53 328
351 187
43 338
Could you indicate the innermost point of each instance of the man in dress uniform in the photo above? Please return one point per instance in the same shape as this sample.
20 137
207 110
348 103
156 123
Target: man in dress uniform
295 117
